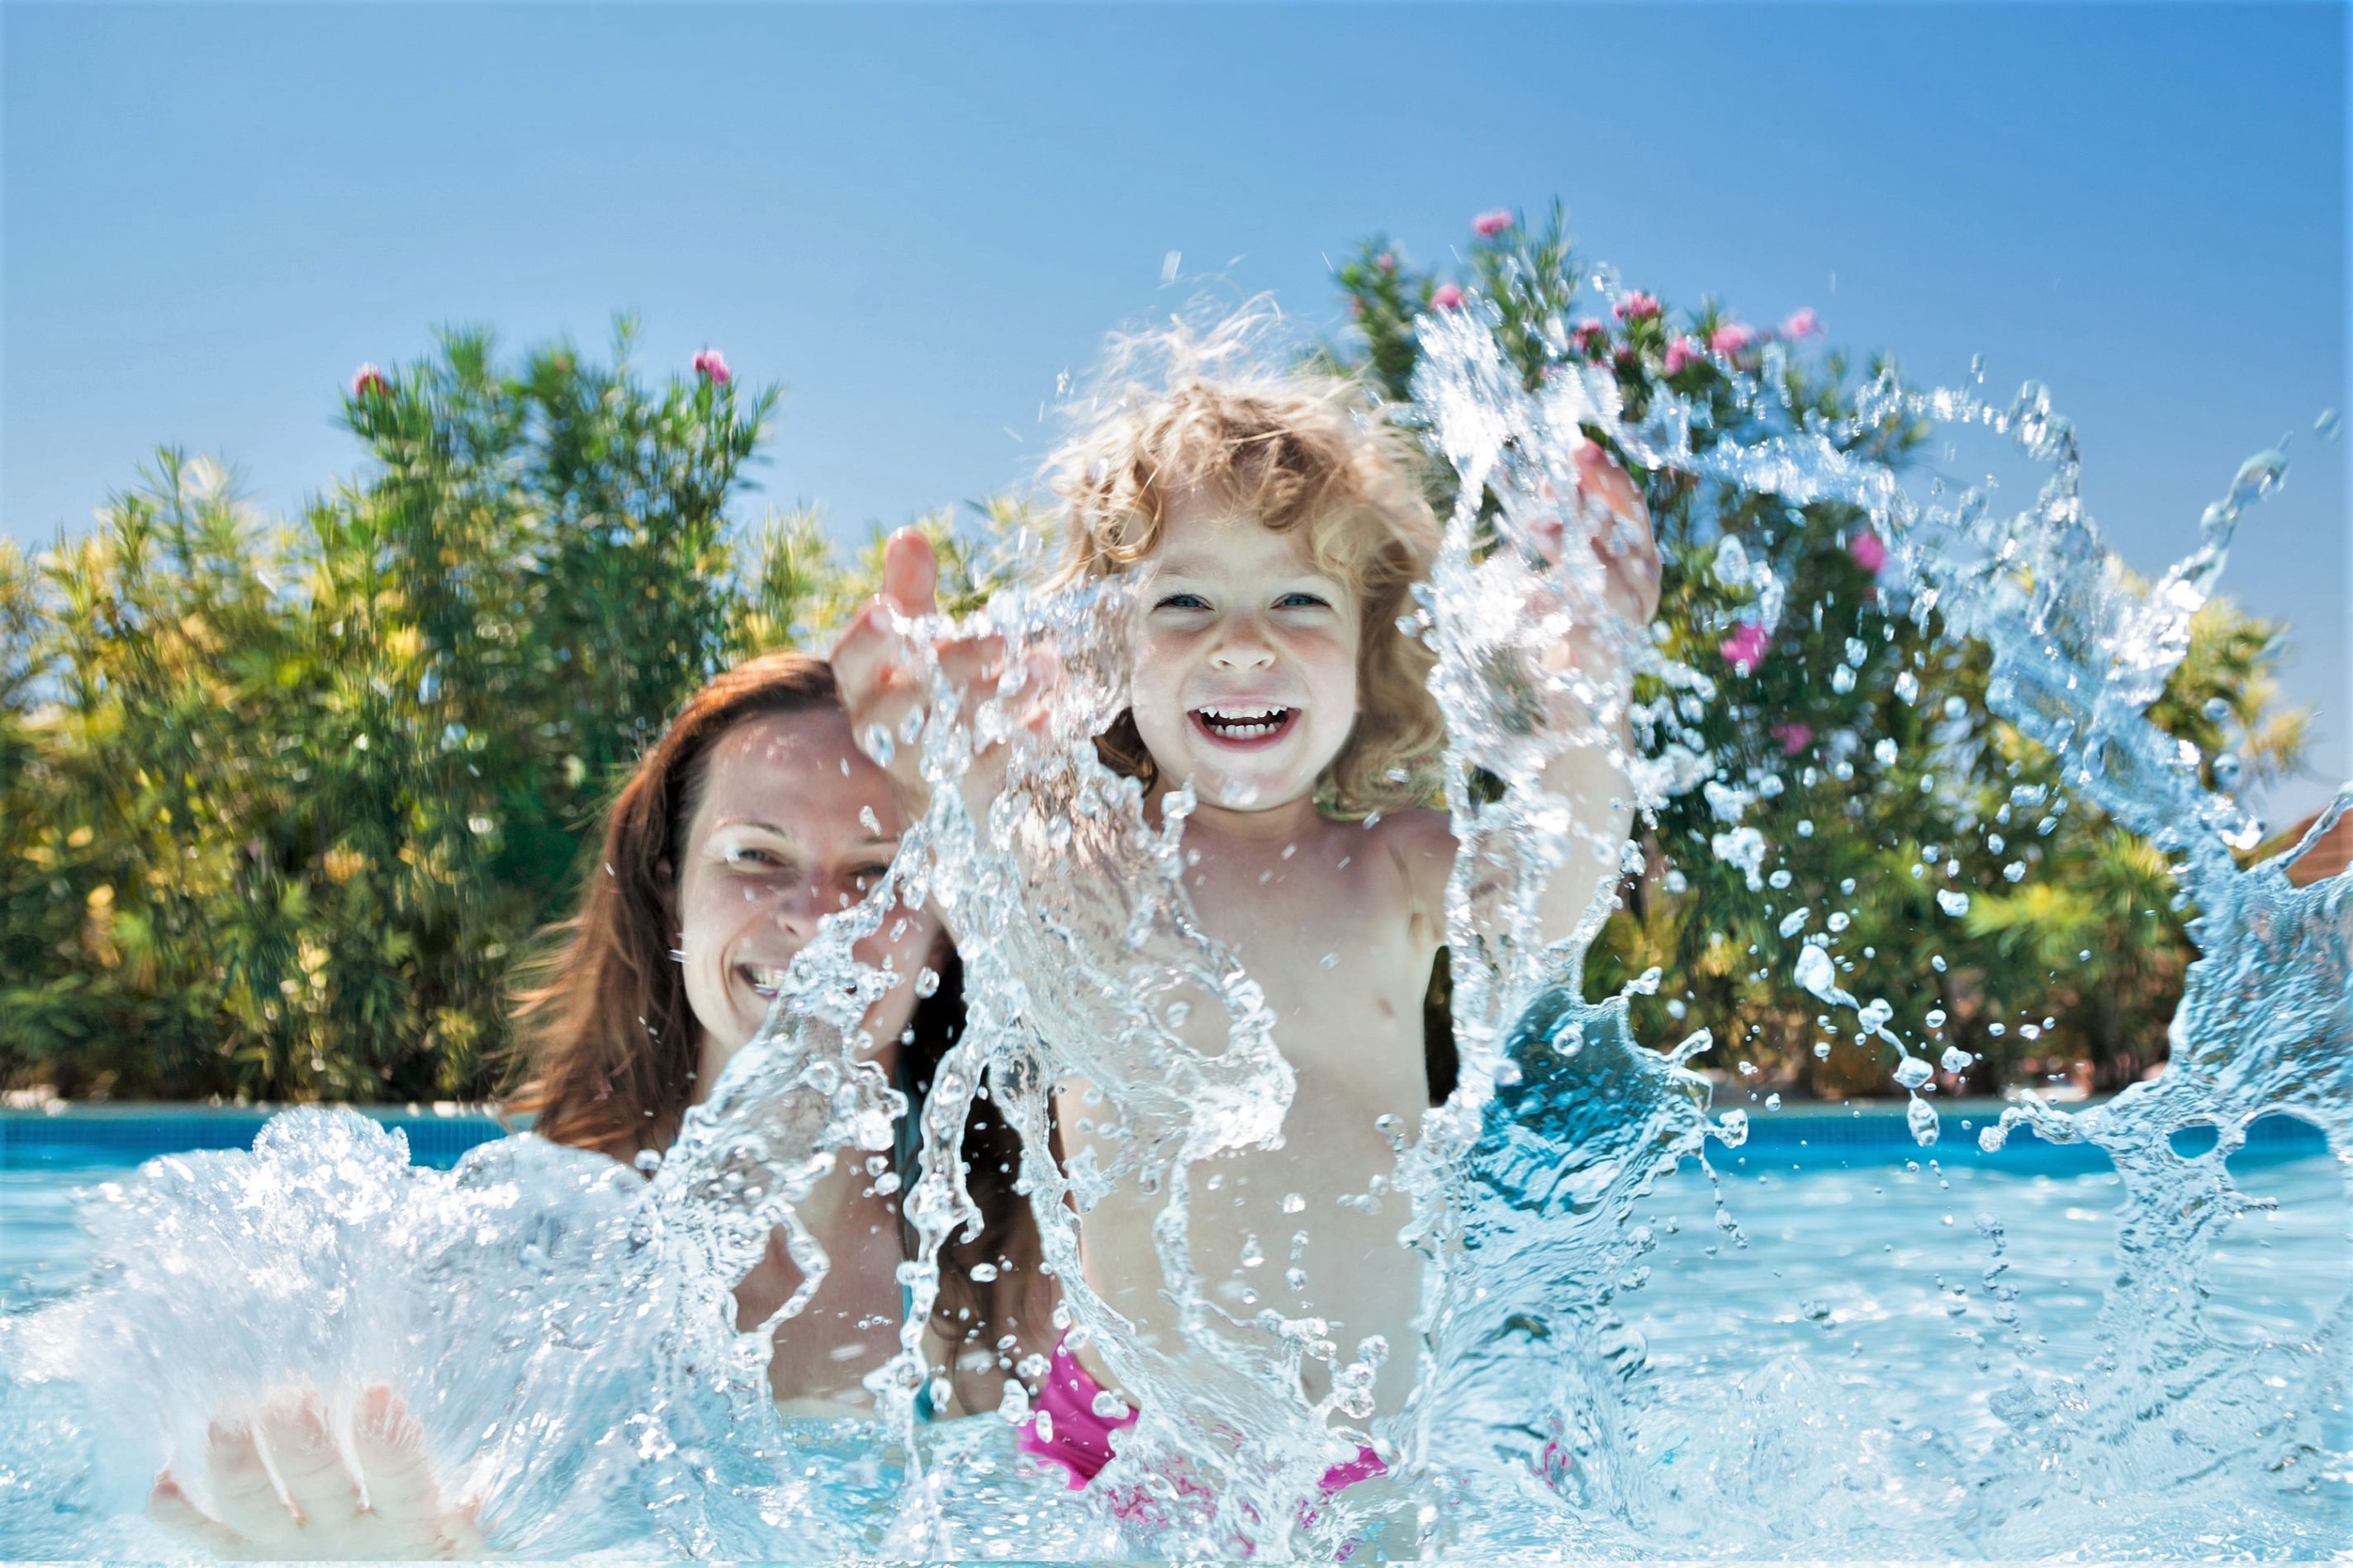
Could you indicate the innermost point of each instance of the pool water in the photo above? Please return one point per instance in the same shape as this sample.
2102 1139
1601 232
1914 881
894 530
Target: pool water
1827 1292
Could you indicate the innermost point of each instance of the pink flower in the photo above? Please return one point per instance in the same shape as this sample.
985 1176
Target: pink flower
1744 648
1868 551
1386 262
1624 355
1355 305
367 379
711 366
1682 352
1586 334
1794 737
1732 337
1446 296
1636 307
1491 222
1802 323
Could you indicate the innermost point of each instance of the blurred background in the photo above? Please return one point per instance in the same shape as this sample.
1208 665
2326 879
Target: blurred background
353 544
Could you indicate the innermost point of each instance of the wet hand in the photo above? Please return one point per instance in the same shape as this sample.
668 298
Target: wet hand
381 1500
1617 526
881 681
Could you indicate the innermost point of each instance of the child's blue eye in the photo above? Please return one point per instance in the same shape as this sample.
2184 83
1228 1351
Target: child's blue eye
1183 602
1294 601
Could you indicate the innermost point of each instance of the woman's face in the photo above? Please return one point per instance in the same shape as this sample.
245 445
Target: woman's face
794 824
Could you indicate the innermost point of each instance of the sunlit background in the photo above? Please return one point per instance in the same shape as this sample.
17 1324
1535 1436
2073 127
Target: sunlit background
916 217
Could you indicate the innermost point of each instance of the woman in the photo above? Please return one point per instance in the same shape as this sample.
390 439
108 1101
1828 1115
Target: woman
753 817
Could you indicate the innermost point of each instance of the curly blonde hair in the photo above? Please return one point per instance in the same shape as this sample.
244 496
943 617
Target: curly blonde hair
1303 450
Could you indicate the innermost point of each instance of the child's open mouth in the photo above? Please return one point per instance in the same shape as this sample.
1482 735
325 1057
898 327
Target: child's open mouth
1244 726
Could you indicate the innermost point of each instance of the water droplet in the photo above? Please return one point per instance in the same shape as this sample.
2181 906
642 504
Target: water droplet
1953 901
1815 973
1921 1117
927 982
876 743
1883 752
1956 1060
982 1272
1913 1071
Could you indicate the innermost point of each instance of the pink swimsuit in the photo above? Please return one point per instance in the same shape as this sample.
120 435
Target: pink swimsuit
1080 1443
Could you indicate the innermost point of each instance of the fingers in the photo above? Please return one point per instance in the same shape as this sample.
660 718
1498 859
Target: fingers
172 1509
320 1486
1627 550
398 1470
245 1496
911 574
973 665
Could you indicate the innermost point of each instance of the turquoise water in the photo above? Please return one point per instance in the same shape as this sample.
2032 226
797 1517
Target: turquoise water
1827 1289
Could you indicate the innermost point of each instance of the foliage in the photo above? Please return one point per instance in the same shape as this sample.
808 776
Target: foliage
281 804
279 807
1856 790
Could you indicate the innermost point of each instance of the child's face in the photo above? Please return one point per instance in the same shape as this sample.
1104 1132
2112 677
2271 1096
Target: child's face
1245 677
794 824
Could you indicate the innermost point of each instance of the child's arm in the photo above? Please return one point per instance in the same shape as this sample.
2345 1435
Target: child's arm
1591 775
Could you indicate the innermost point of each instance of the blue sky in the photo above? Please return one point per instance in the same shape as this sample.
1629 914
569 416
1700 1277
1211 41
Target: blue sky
916 217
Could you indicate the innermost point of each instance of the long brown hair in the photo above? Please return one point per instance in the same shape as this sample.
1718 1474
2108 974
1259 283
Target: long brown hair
607 1046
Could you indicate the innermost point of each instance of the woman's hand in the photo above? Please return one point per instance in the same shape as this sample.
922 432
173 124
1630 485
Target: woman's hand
381 1500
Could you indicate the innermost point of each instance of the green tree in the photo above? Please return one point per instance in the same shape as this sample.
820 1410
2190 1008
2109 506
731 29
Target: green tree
1893 809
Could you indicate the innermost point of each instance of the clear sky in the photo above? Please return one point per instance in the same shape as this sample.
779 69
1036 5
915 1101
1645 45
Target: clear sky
915 217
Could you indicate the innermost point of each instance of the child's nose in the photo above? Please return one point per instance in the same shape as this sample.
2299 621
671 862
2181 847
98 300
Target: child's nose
1245 646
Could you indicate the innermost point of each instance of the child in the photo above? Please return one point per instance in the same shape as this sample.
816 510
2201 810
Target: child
1273 530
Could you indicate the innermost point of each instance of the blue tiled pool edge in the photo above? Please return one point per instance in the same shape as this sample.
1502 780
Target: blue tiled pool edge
113 1136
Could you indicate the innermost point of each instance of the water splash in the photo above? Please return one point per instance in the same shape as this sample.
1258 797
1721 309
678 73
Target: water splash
566 1328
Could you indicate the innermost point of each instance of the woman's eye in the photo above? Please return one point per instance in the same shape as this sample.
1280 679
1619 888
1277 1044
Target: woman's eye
867 876
748 855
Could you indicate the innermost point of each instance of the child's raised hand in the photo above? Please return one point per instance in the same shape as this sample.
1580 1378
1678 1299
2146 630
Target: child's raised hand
880 677
317 1505
1619 533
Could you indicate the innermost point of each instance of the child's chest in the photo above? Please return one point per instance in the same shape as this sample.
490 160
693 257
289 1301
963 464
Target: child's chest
1330 934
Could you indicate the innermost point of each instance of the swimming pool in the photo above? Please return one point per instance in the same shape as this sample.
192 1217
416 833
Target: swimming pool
1829 1287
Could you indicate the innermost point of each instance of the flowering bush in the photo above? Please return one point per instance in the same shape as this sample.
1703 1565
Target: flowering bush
1859 783
281 804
